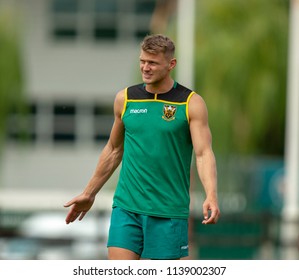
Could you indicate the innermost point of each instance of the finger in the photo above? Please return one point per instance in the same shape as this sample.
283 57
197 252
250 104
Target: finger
205 212
68 218
72 216
82 215
208 221
71 202
213 218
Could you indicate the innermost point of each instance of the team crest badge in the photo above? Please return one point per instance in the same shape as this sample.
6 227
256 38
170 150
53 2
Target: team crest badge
169 112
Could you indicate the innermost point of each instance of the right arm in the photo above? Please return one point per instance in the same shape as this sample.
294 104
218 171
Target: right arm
109 160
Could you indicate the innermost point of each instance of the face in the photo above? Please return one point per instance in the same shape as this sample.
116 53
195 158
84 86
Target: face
155 68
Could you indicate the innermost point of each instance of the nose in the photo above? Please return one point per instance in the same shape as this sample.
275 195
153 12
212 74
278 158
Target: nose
146 66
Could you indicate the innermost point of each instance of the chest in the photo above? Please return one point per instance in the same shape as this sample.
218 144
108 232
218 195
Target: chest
155 116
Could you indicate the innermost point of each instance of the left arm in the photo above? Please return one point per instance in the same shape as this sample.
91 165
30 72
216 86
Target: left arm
205 159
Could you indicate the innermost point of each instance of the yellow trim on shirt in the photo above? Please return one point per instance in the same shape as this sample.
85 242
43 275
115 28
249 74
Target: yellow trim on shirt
187 105
125 103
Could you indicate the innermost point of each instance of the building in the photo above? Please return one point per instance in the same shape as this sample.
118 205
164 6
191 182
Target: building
77 54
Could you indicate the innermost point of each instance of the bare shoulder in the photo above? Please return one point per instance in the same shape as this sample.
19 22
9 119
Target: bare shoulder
119 102
197 107
120 96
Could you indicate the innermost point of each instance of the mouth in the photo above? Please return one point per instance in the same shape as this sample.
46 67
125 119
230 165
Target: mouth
146 76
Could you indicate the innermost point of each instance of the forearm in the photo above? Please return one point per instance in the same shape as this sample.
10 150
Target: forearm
109 160
207 171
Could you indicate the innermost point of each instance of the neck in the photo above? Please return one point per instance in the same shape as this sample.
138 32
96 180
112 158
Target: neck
161 87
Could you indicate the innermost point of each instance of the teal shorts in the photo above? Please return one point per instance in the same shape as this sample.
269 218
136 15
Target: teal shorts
149 237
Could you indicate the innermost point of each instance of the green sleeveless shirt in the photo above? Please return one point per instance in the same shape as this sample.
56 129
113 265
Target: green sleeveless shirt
155 174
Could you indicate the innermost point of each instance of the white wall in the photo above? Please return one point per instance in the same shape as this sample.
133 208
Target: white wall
44 177
76 70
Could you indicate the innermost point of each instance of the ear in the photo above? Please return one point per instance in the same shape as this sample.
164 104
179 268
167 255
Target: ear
172 63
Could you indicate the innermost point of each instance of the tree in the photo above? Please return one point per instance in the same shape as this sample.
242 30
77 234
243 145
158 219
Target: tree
11 95
241 67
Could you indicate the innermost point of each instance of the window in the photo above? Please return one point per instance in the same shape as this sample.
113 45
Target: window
62 122
103 120
65 19
101 19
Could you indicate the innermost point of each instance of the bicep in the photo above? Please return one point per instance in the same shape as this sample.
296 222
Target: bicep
116 138
199 126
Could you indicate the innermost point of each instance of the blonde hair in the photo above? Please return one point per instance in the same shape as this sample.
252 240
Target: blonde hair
158 43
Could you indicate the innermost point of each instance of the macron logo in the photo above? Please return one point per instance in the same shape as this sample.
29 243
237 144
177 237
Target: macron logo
138 111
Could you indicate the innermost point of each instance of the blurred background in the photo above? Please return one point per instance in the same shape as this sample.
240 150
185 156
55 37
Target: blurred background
62 63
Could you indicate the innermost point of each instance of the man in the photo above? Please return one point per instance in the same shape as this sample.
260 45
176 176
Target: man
157 126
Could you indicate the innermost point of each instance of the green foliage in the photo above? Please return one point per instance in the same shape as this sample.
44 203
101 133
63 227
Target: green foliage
241 66
11 96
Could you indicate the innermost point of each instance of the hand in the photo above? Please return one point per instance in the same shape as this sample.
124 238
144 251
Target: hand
80 206
211 212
